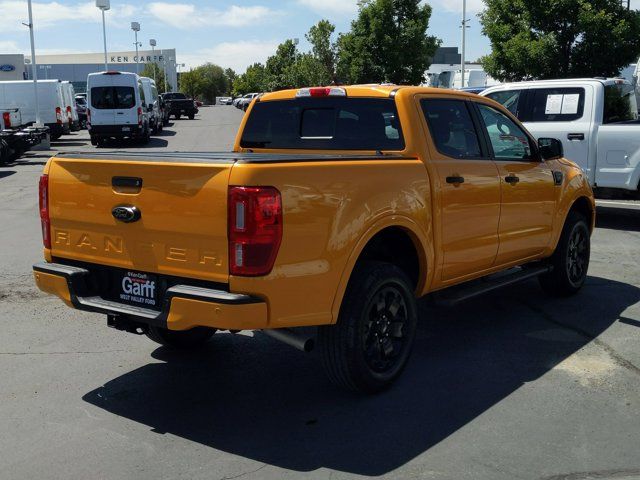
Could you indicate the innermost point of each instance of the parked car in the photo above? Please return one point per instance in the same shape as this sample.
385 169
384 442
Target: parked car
52 109
596 119
151 104
245 101
260 239
117 107
224 100
179 104
69 96
81 107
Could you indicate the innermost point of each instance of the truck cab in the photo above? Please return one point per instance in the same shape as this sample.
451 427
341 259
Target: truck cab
596 120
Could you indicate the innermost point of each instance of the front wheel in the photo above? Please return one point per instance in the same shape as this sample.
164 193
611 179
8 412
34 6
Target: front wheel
183 340
570 261
369 346
177 115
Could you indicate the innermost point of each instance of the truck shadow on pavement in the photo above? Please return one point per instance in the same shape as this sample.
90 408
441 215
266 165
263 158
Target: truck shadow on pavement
264 401
618 219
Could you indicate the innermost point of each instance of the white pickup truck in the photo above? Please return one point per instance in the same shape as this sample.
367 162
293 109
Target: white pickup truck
596 119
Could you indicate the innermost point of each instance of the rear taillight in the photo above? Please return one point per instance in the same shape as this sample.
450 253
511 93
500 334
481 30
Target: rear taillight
58 115
6 118
255 229
140 116
44 210
88 117
69 116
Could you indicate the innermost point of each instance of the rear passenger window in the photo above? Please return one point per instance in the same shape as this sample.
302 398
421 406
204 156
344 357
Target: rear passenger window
619 104
510 99
452 128
556 105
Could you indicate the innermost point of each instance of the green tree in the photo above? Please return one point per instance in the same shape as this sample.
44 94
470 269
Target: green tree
541 39
213 82
324 51
280 67
148 71
231 77
190 83
387 42
254 79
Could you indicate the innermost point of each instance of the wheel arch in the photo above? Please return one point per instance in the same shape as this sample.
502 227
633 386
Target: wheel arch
397 240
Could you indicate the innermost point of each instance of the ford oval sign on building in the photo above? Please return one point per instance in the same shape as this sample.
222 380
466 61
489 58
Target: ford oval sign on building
7 68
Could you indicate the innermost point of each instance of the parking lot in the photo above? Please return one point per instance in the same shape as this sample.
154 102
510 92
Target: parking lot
511 385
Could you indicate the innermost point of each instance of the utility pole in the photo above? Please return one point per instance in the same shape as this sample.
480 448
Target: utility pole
464 41
153 43
135 26
34 66
104 5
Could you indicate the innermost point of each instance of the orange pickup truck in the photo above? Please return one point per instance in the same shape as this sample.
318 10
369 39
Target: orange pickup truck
338 208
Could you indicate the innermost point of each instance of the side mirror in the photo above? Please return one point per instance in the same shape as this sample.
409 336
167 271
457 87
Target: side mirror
550 148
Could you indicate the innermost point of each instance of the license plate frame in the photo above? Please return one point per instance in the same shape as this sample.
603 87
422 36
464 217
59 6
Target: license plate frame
138 289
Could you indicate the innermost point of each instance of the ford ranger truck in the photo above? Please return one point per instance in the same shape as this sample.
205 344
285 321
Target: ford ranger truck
337 210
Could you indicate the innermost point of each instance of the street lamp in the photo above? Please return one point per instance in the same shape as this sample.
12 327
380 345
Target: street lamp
34 70
464 41
135 26
152 42
104 5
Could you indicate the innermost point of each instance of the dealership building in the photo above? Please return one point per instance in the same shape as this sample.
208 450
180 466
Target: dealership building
76 67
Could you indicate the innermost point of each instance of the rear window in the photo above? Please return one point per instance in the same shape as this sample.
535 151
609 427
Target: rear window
556 105
333 123
510 99
104 98
174 96
619 104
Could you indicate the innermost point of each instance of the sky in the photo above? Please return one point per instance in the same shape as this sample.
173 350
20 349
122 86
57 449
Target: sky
231 34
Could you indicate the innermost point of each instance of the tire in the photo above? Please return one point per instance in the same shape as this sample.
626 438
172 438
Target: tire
55 136
570 261
177 115
4 152
94 141
181 340
354 350
191 117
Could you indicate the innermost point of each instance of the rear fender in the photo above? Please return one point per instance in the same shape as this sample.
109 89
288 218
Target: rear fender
420 241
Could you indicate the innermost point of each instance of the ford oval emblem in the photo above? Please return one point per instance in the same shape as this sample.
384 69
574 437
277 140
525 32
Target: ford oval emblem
126 213
7 68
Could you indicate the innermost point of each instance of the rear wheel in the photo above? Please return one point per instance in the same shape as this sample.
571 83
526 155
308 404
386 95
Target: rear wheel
192 116
196 337
570 261
369 346
177 115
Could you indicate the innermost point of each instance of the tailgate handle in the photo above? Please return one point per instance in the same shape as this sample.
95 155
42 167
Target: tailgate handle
127 182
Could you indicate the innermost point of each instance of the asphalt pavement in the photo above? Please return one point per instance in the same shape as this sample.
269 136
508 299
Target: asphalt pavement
513 385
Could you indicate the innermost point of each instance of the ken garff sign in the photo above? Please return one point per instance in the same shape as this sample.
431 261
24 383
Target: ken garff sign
7 68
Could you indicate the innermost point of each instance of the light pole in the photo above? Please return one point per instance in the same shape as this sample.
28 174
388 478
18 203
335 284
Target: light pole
135 26
46 69
464 41
34 65
152 42
104 5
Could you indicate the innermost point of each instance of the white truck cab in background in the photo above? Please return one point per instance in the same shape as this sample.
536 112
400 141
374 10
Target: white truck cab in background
596 120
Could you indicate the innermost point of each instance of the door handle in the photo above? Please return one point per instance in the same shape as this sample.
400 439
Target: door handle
512 179
455 180
575 136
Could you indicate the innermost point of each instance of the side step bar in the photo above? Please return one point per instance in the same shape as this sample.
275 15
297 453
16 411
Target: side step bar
455 295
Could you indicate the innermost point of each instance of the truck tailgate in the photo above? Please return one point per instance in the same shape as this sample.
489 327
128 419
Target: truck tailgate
182 229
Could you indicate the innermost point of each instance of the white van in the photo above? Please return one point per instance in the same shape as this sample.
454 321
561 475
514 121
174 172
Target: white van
153 104
69 96
116 107
19 94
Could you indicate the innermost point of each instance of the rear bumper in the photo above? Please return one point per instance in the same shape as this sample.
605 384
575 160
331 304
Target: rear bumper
183 307
110 131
